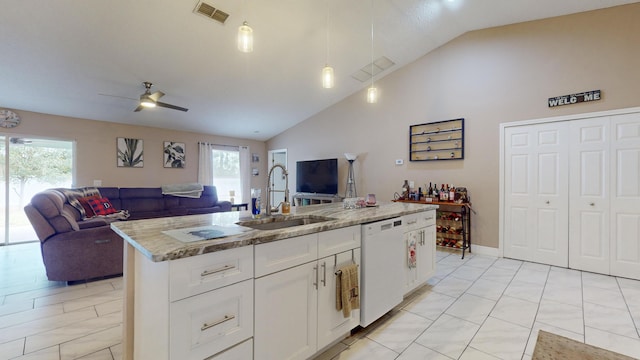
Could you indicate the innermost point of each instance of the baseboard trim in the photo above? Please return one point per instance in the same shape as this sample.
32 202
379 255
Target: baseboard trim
485 250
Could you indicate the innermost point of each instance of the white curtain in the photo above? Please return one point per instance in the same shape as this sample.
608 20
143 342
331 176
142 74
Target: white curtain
245 173
205 164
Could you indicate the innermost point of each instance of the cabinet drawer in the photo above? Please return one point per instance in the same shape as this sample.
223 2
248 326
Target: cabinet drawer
208 323
242 351
198 274
339 240
411 222
283 254
426 218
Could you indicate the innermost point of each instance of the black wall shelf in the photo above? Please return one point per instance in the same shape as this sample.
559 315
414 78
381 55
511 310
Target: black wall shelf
440 140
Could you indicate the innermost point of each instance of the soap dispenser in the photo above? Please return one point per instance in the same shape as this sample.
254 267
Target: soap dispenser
286 205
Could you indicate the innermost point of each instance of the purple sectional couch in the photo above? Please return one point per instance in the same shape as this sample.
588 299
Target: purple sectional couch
75 249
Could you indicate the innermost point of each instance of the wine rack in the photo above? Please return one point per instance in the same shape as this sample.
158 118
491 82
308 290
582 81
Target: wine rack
441 140
453 227
453 224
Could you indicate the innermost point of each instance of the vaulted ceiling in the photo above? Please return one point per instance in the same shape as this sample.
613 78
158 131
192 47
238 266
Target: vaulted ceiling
88 59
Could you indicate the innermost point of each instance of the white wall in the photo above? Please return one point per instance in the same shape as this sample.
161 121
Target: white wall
96 150
487 77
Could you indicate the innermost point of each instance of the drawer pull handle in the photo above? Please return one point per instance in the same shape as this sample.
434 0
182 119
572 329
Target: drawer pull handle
226 318
211 272
429 218
412 222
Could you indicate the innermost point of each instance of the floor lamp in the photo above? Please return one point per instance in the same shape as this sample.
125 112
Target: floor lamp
351 181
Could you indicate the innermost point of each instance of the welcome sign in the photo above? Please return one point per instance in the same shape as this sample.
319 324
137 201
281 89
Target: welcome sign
586 96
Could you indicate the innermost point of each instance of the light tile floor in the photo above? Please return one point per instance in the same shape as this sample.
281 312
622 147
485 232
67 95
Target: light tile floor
477 308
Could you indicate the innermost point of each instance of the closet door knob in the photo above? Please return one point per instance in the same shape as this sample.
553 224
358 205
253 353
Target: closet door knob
592 204
548 202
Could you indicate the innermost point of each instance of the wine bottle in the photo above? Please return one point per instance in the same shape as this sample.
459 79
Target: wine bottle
430 191
452 193
436 193
442 198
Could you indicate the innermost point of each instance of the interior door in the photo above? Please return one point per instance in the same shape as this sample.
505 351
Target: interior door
589 195
536 201
625 196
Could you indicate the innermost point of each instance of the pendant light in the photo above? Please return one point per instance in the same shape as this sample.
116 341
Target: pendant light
328 79
245 38
372 91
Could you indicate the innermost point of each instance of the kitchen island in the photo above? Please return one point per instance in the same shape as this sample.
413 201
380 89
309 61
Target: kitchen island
163 276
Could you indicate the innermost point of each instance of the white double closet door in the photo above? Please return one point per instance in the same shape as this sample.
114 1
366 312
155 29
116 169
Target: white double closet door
536 202
575 186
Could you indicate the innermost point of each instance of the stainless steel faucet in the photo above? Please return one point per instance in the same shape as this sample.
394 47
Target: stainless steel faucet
269 190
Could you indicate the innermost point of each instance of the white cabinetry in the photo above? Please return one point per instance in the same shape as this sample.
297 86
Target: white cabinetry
572 193
419 231
295 313
195 307
243 351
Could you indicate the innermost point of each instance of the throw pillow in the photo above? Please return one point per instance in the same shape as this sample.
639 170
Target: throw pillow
73 195
102 206
84 201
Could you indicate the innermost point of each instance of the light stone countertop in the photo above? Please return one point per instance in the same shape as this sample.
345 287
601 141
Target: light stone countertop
147 235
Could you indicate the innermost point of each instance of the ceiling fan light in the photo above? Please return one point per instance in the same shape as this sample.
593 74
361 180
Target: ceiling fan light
245 38
372 95
147 102
327 77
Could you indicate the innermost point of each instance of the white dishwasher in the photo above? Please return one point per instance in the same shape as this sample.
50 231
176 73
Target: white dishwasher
382 274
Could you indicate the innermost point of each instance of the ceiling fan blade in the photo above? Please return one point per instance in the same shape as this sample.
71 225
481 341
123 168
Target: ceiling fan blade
169 106
156 95
119 97
140 107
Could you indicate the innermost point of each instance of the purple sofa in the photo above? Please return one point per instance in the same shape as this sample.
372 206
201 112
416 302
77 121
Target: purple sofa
75 249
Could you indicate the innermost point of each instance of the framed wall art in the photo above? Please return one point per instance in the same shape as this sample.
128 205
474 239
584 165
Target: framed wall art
130 152
174 154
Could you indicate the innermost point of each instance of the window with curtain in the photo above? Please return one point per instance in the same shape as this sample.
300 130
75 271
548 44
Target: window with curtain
227 168
226 174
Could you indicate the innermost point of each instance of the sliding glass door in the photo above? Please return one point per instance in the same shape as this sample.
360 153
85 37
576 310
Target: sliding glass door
29 165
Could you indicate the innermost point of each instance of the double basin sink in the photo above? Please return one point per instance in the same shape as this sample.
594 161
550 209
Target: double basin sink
282 222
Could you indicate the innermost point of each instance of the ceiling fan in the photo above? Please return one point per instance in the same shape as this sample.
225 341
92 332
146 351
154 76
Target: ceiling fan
149 100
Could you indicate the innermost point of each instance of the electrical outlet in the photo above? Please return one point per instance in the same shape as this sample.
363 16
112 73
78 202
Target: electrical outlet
399 161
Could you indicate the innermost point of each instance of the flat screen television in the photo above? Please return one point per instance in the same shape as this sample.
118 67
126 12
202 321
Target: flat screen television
317 176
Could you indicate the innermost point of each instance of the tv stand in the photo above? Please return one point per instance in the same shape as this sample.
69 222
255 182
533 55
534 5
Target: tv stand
302 199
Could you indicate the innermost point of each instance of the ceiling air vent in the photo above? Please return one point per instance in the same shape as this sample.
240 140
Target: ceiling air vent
211 12
379 65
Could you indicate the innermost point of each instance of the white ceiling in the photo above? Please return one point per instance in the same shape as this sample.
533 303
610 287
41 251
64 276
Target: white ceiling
59 56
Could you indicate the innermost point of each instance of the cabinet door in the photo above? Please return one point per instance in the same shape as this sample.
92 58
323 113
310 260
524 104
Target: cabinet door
331 322
427 254
411 239
536 201
625 196
589 195
286 314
